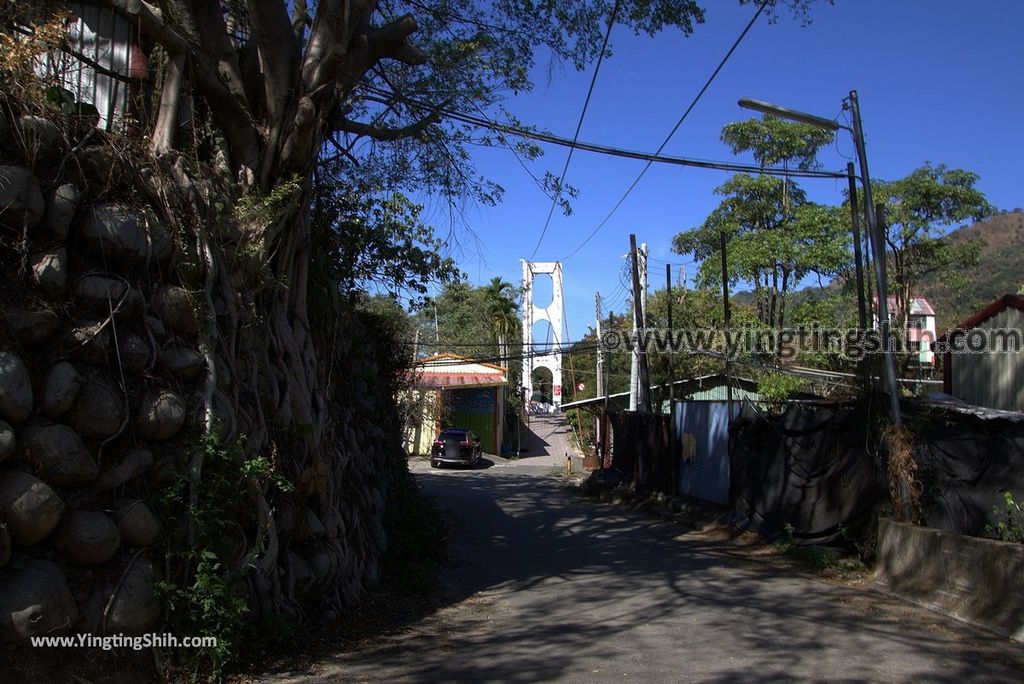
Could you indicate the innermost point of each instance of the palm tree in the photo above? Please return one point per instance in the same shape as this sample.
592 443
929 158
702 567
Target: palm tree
502 312
504 316
499 288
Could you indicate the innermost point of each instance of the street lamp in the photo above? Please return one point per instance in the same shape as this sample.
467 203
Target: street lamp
877 243
792 114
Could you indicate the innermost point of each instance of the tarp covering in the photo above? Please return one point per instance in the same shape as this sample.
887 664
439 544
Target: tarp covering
965 464
643 450
811 468
807 468
817 471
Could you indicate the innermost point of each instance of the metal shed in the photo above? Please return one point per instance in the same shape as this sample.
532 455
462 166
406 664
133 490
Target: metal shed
990 377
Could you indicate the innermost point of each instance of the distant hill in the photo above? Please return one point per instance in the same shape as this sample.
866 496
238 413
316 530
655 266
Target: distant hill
1000 269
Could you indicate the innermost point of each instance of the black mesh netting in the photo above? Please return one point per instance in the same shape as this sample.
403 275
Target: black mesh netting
808 468
812 468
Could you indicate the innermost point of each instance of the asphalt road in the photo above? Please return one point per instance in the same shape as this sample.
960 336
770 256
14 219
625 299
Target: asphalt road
545 586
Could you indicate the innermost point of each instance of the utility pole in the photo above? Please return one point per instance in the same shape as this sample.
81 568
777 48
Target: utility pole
643 373
605 442
878 249
641 256
862 316
671 377
600 346
671 358
640 390
727 321
634 360
602 386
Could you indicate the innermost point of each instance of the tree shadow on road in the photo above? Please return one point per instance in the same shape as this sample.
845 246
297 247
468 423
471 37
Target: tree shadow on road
542 587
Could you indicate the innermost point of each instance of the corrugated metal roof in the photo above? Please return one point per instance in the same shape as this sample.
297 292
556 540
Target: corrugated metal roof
702 388
951 403
451 370
919 306
720 393
1007 301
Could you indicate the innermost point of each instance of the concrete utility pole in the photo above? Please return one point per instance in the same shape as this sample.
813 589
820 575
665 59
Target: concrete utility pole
671 377
640 384
858 259
878 247
863 366
634 359
601 386
671 358
726 323
600 348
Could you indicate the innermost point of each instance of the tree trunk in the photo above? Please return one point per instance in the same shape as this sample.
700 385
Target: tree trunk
759 297
782 299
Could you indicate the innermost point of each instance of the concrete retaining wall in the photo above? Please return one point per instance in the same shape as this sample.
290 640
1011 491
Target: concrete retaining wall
977 580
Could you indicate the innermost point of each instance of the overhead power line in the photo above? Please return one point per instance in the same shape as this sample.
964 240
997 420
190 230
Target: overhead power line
584 347
479 345
707 84
579 125
609 150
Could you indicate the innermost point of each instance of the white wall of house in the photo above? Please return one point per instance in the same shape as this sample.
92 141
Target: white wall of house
929 334
105 38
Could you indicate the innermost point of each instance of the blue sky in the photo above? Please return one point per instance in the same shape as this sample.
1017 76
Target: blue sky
939 81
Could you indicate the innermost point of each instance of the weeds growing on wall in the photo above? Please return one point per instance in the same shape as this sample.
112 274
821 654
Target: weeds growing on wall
1011 527
204 590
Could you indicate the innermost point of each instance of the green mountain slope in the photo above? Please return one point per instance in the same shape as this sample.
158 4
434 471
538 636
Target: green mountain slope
1000 269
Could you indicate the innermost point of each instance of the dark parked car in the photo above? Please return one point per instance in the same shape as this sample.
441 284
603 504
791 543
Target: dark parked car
456 445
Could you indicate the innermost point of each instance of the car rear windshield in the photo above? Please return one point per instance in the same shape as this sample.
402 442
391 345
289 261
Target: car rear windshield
453 436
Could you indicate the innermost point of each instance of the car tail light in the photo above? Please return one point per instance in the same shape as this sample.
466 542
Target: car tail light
466 443
438 442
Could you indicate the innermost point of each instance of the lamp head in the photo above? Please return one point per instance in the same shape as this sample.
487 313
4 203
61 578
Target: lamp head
791 114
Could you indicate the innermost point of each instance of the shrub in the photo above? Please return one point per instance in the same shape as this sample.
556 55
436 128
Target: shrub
1011 529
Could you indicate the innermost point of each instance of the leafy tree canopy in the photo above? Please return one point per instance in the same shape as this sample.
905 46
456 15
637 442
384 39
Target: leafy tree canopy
930 197
775 237
471 321
917 207
762 238
476 54
773 141
380 241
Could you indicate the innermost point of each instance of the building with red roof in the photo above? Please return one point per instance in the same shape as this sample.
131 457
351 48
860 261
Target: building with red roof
452 391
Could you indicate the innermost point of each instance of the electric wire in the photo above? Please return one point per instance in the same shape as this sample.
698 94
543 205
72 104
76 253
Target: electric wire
579 125
643 172
822 378
735 167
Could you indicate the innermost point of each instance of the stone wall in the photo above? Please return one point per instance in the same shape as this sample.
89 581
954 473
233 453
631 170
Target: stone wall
977 580
100 407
